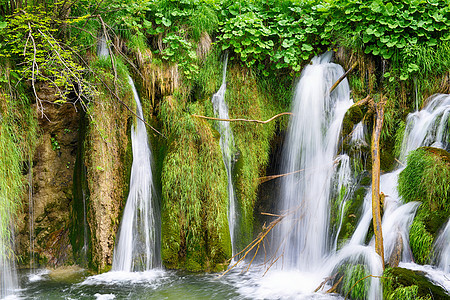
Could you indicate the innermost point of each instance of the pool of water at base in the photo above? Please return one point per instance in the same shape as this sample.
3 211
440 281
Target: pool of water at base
163 284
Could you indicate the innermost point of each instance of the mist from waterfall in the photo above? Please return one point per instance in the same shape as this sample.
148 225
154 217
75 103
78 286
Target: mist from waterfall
138 246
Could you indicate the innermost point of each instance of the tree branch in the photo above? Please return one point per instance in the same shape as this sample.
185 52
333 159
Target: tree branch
242 120
342 77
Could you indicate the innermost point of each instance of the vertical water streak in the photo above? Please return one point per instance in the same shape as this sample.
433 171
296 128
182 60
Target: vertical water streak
137 248
8 276
442 249
311 145
344 186
31 213
102 47
227 146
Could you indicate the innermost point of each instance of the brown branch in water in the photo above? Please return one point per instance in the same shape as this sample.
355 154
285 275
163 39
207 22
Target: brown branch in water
324 282
255 243
268 178
342 77
242 120
334 287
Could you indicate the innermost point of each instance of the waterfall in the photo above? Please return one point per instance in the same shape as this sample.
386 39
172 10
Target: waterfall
442 249
137 248
303 237
428 127
227 146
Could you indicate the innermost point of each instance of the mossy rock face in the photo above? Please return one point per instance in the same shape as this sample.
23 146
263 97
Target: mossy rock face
426 179
352 214
195 233
395 279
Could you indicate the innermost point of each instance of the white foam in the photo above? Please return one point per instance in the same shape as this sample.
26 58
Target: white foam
151 277
105 296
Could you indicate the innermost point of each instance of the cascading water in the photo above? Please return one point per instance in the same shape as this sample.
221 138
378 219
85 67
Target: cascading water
227 146
311 146
137 248
442 249
428 127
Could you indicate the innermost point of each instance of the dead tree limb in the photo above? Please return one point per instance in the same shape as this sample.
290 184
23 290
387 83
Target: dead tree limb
255 243
242 120
271 177
375 150
342 77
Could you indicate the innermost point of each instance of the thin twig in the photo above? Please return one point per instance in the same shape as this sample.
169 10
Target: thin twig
243 120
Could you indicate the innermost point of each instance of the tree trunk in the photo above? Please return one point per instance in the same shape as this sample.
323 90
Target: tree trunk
376 207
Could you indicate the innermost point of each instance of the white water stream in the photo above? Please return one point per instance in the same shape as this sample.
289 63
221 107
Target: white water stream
310 149
228 149
137 247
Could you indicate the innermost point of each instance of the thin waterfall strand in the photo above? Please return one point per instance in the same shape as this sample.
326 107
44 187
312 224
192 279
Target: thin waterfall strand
227 146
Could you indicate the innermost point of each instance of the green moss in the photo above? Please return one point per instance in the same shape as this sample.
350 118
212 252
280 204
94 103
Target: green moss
421 241
248 100
194 190
425 179
351 215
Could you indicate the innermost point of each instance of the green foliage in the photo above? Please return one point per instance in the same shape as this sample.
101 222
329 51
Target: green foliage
397 30
29 41
282 33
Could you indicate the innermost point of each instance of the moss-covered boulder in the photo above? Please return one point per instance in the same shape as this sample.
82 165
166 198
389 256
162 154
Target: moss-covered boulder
399 283
426 179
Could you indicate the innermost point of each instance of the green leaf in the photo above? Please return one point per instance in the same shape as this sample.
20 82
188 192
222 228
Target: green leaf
3 24
307 47
166 22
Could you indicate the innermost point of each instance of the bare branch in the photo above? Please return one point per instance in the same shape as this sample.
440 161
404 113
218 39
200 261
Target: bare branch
342 77
243 120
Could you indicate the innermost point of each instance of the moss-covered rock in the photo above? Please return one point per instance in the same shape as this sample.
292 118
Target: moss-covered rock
195 233
426 179
399 283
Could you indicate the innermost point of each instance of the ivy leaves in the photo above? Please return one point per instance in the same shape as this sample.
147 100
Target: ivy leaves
391 29
271 35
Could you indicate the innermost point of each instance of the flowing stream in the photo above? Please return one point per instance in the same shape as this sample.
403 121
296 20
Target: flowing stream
227 146
137 248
